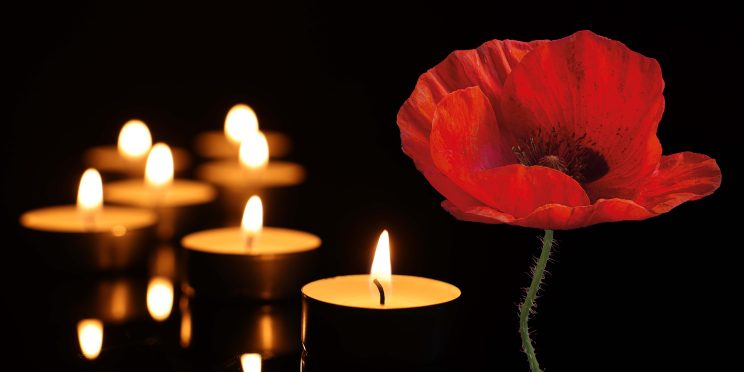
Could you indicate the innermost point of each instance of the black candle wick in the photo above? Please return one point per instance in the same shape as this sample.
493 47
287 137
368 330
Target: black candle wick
382 291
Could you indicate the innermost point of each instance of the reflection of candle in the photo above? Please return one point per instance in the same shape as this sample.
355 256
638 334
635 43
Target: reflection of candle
186 322
251 362
172 199
380 317
251 260
160 298
90 337
239 122
90 235
129 156
272 330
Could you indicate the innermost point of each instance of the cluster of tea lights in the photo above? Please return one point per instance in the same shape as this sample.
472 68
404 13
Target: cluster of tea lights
115 225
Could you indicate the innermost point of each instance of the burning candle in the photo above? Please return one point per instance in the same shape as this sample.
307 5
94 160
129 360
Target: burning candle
130 154
377 319
254 170
240 121
251 261
175 201
252 174
90 235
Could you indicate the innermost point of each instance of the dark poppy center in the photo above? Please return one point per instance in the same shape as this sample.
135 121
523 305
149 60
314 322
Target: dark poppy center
569 154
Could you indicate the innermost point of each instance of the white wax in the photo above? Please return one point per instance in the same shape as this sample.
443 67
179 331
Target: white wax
231 174
230 240
68 219
407 292
178 194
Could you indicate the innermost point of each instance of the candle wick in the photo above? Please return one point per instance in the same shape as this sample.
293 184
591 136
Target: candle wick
382 291
249 240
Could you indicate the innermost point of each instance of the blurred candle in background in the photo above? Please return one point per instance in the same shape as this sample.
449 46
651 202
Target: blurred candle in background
176 201
128 157
240 121
89 235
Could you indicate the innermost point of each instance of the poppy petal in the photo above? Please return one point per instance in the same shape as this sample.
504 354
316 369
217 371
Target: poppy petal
460 70
465 134
518 190
598 92
681 177
556 216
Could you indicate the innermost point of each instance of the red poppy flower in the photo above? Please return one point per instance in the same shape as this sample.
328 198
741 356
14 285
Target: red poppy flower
549 134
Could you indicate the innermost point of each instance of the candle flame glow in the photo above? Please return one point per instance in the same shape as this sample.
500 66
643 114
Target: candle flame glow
159 167
134 140
90 192
254 151
251 362
90 336
381 267
252 219
240 121
159 298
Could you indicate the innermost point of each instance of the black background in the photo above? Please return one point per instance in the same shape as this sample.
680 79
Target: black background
652 295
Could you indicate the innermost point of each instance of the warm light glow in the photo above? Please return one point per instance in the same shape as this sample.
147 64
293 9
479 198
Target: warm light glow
252 219
159 167
381 264
240 121
120 294
185 321
134 140
254 151
90 336
160 298
90 192
266 327
251 362
185 329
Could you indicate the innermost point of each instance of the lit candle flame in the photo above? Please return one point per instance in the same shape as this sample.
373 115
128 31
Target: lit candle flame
159 298
90 195
252 220
134 140
159 167
381 270
90 336
251 362
240 121
254 151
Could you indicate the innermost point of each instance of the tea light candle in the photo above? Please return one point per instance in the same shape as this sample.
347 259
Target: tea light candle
253 174
90 235
129 156
250 261
377 319
240 121
254 170
173 200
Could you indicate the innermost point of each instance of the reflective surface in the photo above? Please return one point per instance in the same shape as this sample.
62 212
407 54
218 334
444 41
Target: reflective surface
144 320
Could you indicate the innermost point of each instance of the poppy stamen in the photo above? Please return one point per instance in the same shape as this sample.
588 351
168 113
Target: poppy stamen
570 154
